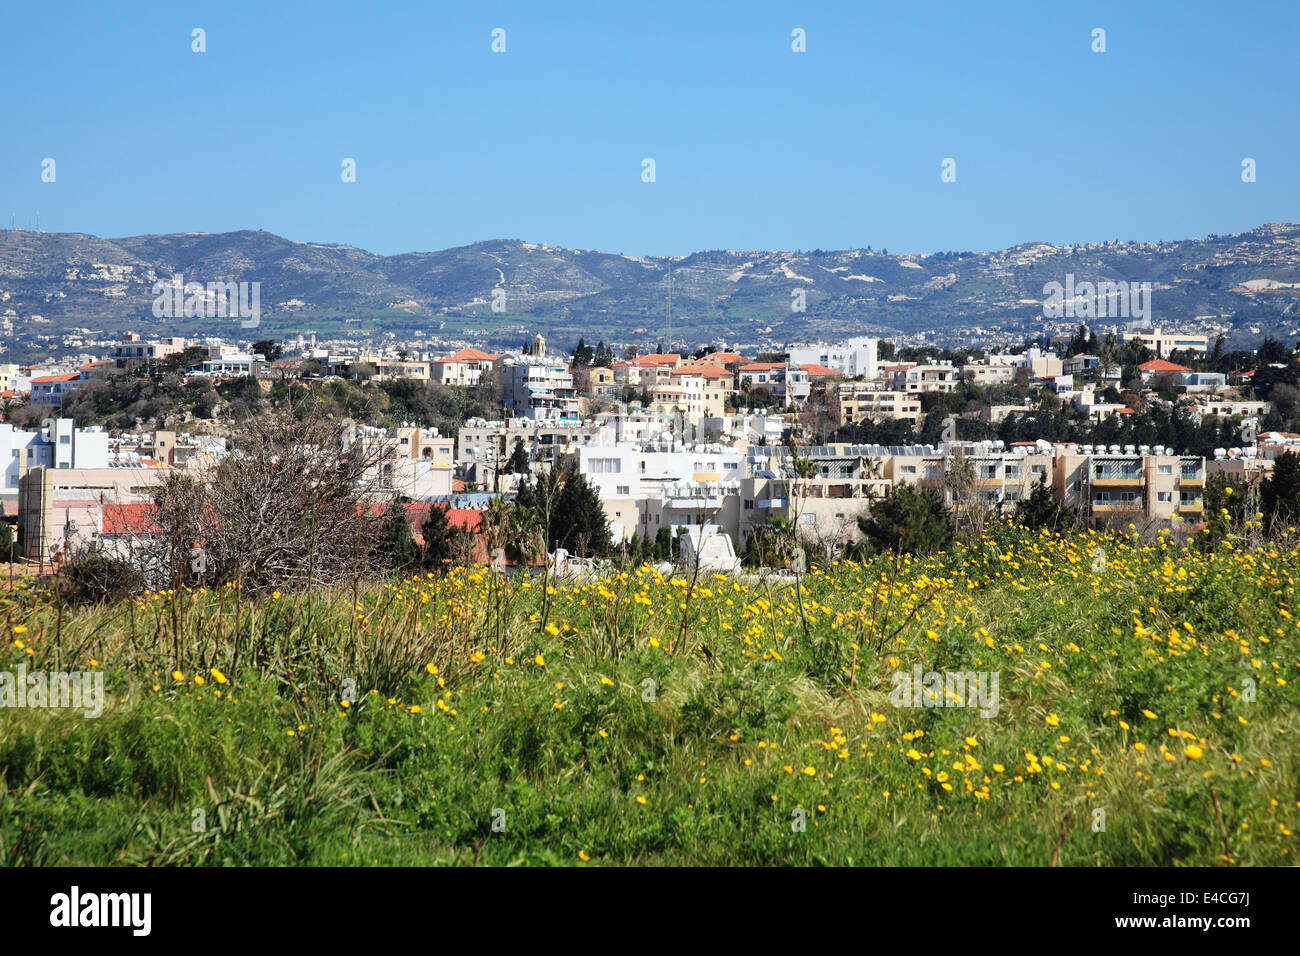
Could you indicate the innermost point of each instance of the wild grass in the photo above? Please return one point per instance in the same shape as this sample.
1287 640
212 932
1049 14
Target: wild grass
642 719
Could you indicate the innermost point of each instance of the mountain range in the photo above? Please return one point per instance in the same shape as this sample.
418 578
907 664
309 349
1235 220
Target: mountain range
51 283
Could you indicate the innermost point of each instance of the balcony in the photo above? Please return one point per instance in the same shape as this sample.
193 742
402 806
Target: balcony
1131 477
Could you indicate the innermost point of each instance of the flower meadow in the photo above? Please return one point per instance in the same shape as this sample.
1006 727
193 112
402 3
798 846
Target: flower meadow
1146 713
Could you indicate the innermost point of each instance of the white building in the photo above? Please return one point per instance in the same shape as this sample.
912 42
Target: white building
538 387
852 358
57 445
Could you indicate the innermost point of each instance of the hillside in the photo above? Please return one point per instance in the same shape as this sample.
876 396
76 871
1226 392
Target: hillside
73 281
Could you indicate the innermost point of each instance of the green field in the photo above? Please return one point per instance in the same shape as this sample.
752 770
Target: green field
1146 713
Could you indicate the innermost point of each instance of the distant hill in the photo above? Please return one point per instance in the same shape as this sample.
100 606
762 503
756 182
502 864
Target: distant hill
72 281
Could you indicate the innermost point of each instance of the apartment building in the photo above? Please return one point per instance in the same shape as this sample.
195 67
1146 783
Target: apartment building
790 384
984 373
927 378
57 445
692 391
388 367
1118 485
627 475
464 367
51 388
415 462
864 401
538 387
1164 343
60 511
853 358
133 350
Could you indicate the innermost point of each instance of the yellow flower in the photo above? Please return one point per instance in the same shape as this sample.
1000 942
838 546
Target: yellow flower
217 676
431 667
1053 720
810 771
539 660
20 629
415 708
640 800
1193 752
582 855
1148 715
177 676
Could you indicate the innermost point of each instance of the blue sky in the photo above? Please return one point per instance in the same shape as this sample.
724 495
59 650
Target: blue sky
755 146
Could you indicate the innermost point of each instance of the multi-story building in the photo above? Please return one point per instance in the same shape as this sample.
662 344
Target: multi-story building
51 388
854 358
864 401
464 367
942 377
1163 343
538 387
133 350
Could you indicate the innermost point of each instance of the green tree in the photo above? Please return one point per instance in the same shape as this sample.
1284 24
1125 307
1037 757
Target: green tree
578 522
583 354
1042 510
1280 494
268 349
440 540
517 463
396 541
6 535
908 521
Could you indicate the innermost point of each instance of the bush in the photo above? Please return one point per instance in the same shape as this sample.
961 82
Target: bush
97 578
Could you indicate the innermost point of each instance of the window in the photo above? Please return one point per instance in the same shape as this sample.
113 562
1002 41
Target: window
1165 496
624 491
1164 469
606 466
749 504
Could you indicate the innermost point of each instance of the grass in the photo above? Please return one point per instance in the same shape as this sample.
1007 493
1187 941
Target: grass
641 719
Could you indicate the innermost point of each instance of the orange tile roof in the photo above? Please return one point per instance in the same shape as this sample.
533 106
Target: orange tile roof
474 355
761 366
707 370
1160 365
129 518
68 377
815 369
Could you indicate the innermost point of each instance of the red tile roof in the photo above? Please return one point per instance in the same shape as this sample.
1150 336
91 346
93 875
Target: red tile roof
129 519
470 355
707 370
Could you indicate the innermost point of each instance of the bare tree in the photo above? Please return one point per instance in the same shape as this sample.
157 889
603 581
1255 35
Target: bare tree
294 501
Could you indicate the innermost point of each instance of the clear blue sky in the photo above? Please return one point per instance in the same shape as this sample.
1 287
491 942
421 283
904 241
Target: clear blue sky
755 146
